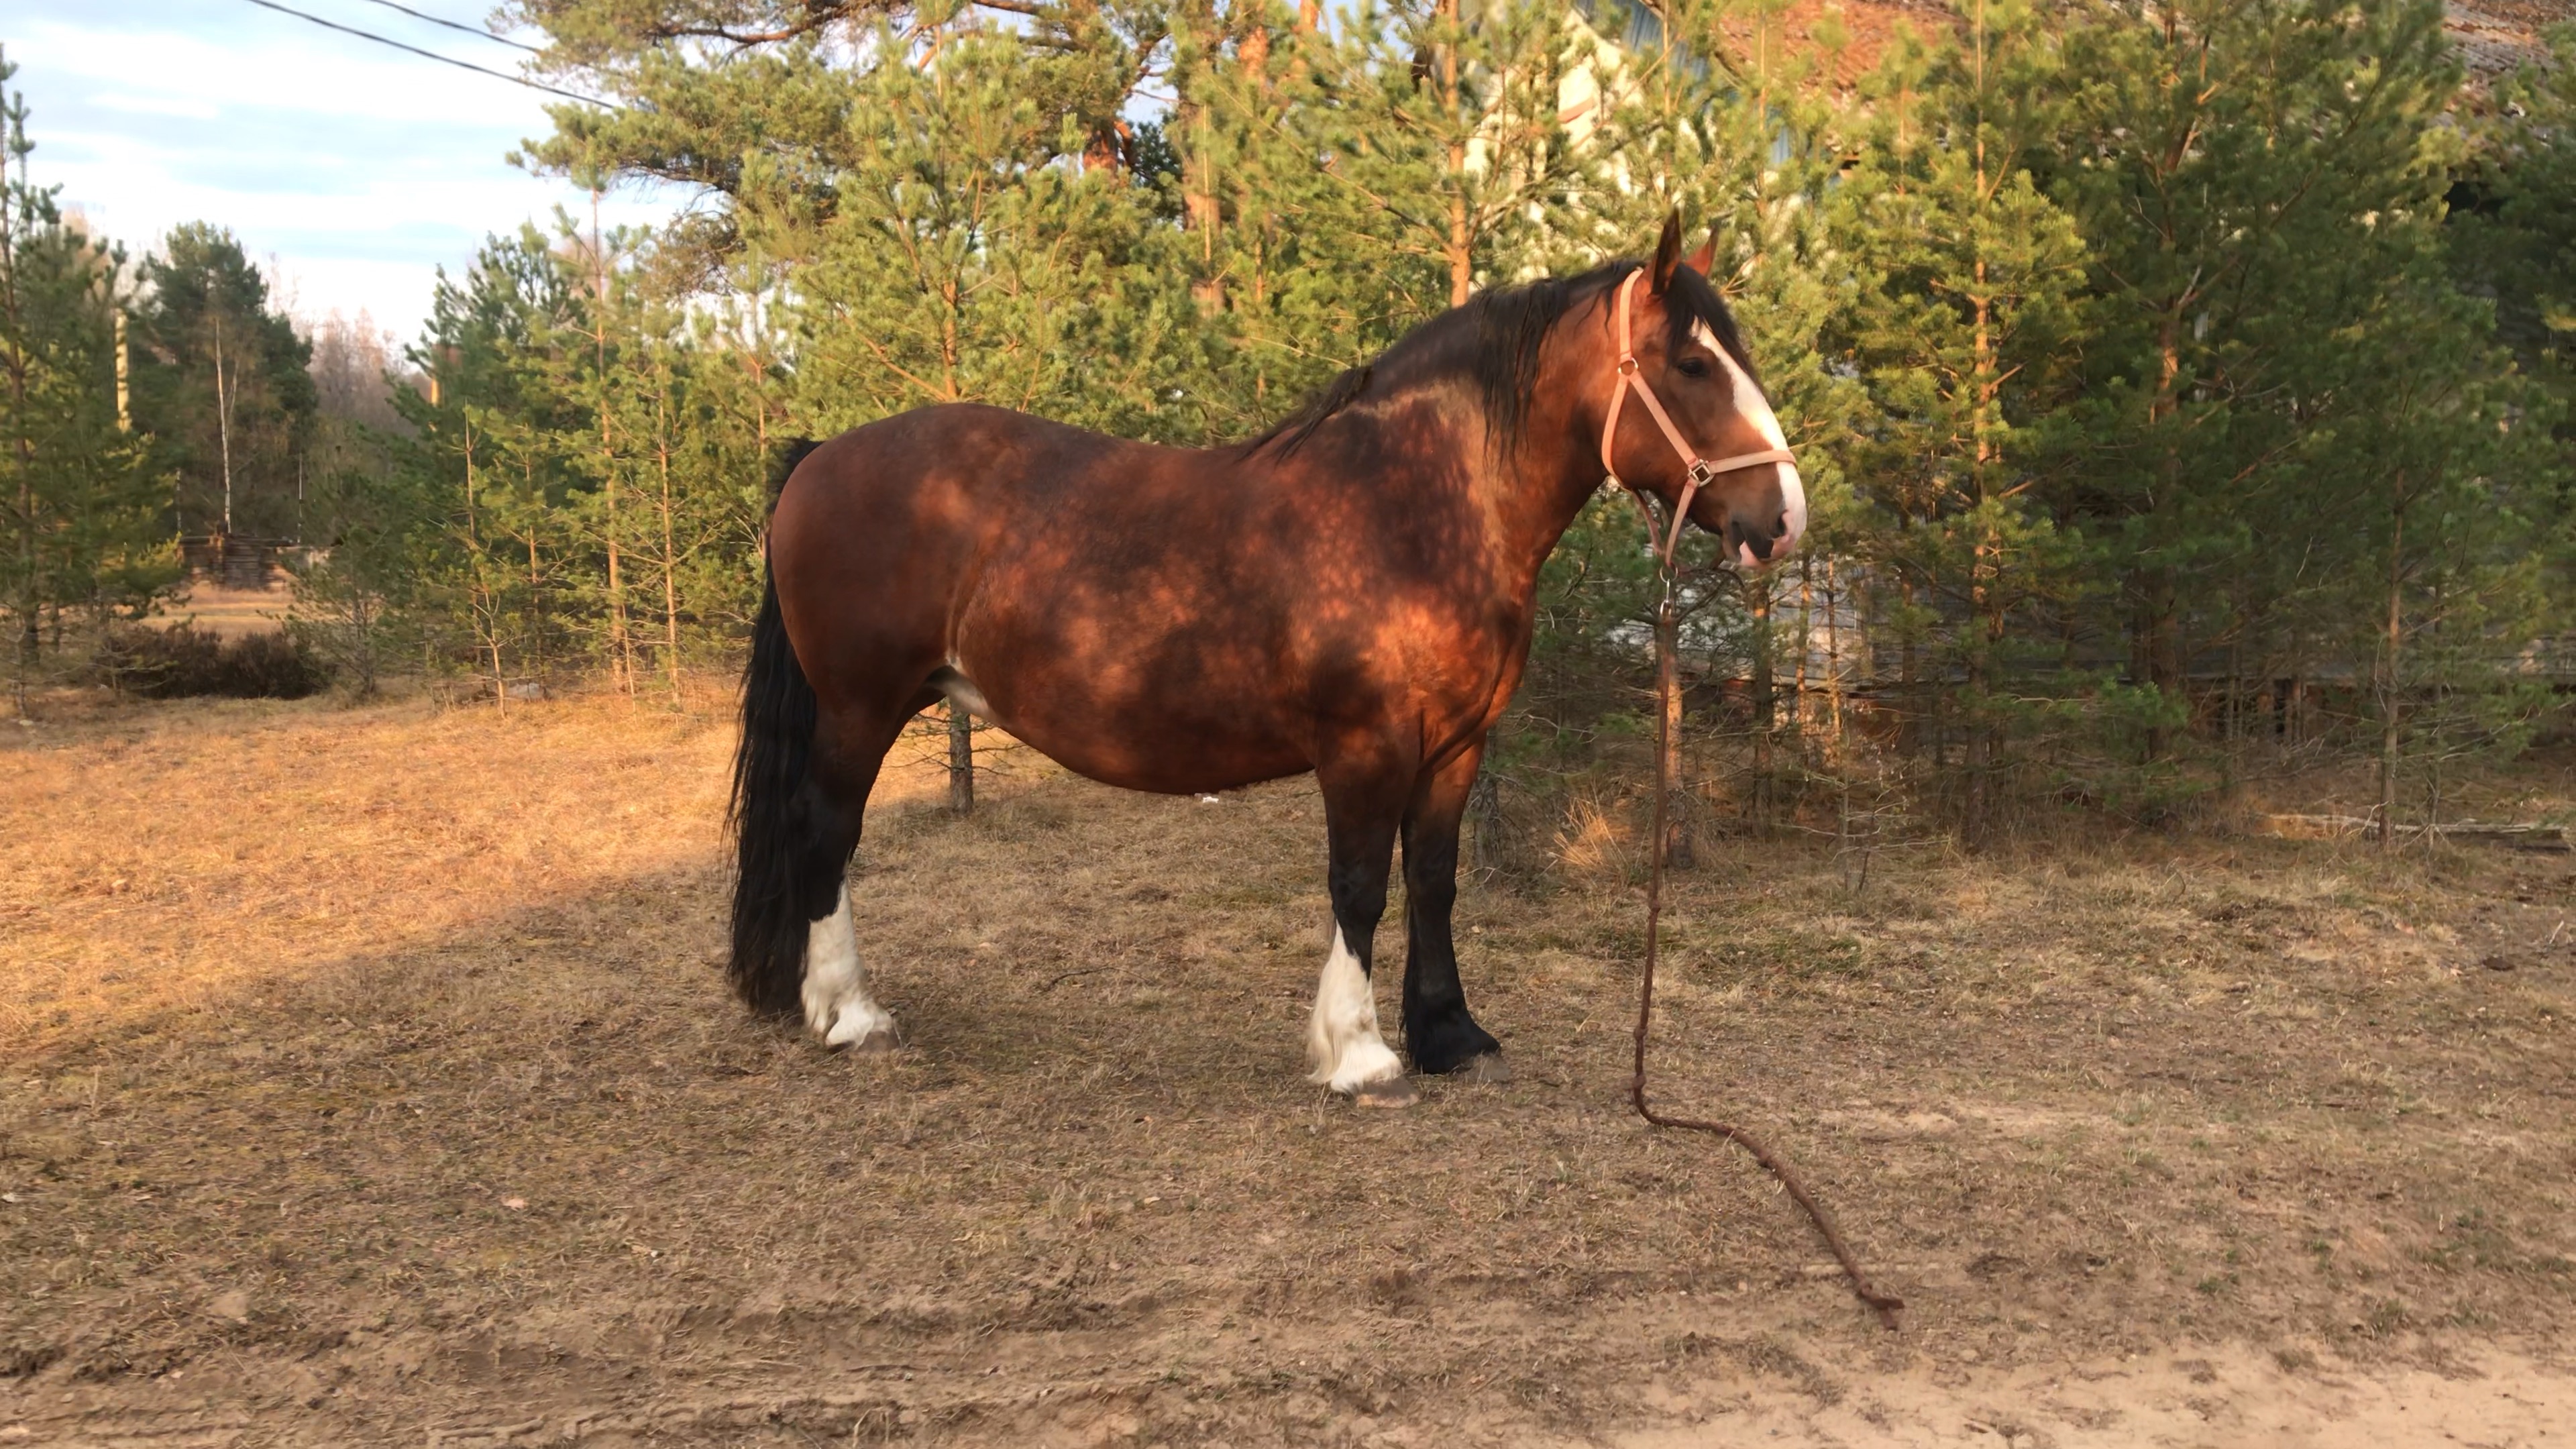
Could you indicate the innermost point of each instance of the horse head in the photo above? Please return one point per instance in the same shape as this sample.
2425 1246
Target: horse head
1666 335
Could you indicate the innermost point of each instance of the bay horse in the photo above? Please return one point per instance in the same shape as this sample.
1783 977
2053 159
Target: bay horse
1350 593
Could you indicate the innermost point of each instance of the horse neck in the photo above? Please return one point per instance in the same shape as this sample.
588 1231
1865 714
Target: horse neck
1556 468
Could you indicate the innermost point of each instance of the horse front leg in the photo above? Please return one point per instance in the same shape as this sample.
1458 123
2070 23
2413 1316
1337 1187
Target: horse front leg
1438 1031
1344 1049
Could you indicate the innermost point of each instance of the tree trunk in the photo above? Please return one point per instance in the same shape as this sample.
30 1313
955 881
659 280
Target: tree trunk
2156 654
1765 704
30 590
536 582
1461 241
1201 213
1675 847
224 421
1485 823
1978 750
2388 733
1806 635
362 620
1986 602
31 639
621 646
1833 663
479 601
670 558
961 760
1985 566
1910 732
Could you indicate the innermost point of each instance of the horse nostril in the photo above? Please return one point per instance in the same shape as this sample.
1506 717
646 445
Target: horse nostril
1780 526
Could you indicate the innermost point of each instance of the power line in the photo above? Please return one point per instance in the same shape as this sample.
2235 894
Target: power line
434 55
452 25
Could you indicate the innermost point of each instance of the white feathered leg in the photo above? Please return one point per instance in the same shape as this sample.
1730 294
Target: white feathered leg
837 1005
1343 1048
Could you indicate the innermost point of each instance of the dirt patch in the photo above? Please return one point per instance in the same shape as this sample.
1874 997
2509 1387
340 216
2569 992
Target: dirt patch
231 613
393 1094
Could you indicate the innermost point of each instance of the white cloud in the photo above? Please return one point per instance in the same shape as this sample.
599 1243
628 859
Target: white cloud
155 105
360 169
265 61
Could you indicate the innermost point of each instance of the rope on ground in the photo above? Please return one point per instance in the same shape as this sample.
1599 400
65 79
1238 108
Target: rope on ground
1667 680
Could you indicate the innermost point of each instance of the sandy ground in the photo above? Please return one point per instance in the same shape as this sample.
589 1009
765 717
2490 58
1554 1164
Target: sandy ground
366 1076
229 613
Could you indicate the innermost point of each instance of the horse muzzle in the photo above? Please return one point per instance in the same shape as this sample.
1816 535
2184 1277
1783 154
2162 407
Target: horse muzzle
1767 531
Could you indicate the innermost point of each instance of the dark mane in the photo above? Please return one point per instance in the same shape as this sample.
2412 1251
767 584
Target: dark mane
1493 343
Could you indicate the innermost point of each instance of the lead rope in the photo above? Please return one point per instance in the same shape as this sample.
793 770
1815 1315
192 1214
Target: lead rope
1666 670
1667 680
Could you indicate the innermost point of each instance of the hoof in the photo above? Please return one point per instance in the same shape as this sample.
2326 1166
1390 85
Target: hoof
1393 1092
876 1043
1485 1069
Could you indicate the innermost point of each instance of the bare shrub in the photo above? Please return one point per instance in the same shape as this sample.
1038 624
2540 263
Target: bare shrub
186 661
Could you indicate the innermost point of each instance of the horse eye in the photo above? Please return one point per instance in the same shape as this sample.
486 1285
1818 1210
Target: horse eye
1693 366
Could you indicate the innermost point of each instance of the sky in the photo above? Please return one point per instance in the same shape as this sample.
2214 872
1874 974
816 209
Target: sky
351 170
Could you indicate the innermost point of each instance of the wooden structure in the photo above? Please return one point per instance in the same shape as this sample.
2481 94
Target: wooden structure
234 560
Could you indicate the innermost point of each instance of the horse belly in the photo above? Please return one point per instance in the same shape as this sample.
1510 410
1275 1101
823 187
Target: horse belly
1142 721
1172 753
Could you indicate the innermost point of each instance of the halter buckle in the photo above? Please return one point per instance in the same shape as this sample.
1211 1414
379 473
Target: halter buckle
1701 472
1627 365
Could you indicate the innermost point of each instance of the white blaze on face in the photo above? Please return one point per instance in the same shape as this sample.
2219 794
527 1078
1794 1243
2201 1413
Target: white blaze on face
1342 1043
1756 409
837 1006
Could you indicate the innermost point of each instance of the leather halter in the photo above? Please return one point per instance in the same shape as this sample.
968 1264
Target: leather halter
1698 469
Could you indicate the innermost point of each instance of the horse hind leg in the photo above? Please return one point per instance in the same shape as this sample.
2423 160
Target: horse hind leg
813 861
835 993
801 784
848 752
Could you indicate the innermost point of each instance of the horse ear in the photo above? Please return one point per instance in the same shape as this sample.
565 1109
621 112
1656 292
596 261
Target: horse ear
1700 261
1668 251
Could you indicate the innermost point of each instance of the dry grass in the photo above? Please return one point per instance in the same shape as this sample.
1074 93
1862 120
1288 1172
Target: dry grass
366 1074
173 856
230 613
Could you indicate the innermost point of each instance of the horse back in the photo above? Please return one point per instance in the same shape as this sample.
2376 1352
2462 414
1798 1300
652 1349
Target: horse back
1158 617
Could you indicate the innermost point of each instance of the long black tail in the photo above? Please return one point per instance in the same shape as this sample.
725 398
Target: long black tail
776 836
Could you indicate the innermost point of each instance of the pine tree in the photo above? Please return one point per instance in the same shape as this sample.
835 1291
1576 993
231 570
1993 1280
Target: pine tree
2082 326
2230 163
356 514
583 473
1439 118
79 497
1963 328
2514 243
494 465
2451 515
1266 224
2514 240
969 260
1712 108
221 378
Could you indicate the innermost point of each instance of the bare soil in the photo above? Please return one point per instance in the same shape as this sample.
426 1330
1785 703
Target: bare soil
229 613
366 1075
